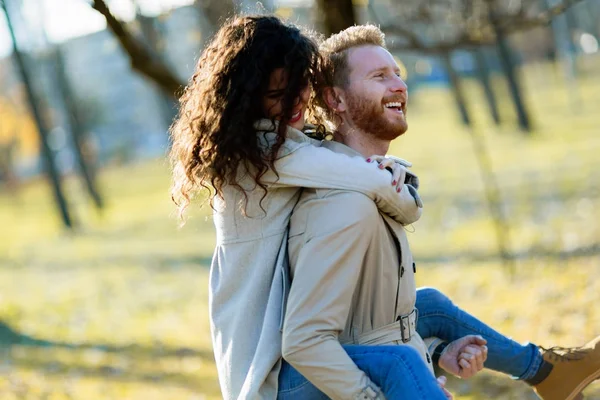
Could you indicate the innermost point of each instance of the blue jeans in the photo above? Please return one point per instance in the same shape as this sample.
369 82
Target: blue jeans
399 371
439 317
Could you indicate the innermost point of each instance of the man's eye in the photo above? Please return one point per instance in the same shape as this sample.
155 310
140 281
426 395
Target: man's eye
379 75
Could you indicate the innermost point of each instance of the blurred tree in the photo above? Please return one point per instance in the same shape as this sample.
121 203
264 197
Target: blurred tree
8 176
47 153
457 89
153 34
335 15
78 132
215 11
483 75
563 30
142 58
437 27
509 67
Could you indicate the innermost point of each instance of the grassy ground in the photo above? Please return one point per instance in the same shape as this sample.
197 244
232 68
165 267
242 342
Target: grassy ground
118 310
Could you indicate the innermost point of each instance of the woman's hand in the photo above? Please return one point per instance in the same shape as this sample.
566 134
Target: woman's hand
398 169
464 357
401 176
442 382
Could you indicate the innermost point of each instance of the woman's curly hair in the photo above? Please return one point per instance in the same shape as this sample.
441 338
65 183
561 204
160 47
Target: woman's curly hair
214 135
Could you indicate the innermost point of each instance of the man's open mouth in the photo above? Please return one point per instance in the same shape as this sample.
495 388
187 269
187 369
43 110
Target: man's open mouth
395 106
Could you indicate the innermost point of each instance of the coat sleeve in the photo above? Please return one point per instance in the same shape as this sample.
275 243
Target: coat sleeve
327 270
320 168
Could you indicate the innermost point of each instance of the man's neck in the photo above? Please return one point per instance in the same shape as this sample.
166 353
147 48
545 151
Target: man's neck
364 143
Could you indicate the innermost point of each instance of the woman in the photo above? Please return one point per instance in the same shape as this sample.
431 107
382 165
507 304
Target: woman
238 136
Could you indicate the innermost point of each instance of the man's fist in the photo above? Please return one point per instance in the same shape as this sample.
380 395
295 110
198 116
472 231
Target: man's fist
464 357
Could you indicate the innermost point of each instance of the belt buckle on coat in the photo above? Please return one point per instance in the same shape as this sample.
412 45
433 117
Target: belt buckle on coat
405 325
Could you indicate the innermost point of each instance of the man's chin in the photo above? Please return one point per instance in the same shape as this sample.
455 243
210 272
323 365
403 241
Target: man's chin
399 129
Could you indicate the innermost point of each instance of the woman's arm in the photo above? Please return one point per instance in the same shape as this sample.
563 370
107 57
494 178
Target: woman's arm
320 168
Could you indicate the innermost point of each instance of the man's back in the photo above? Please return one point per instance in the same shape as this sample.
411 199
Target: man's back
352 274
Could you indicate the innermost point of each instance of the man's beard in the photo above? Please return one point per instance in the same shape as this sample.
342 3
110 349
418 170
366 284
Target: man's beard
369 116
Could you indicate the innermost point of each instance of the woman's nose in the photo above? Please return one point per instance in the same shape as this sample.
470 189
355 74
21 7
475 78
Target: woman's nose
304 95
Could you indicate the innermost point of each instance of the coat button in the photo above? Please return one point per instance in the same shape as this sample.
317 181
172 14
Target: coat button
401 272
414 268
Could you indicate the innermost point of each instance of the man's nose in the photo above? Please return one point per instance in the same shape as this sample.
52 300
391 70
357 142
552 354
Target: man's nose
398 85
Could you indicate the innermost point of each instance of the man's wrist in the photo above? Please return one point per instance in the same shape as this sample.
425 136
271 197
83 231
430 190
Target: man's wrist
437 353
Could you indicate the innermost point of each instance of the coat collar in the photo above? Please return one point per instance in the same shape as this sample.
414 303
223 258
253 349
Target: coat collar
338 147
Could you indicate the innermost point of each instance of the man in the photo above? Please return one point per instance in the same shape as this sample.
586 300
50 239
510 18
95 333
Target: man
352 272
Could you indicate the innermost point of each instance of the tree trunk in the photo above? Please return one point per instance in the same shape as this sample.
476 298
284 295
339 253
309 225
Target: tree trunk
335 15
47 154
141 57
566 51
483 75
494 199
216 11
77 132
457 89
508 64
153 34
593 14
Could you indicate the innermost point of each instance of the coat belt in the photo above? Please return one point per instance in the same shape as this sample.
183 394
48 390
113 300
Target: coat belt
402 330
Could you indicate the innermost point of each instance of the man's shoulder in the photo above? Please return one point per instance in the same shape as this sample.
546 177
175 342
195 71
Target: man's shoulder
321 211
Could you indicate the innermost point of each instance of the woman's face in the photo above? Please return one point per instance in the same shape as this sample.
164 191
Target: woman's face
272 101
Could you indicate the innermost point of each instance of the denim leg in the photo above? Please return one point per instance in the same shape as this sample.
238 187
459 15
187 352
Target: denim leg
439 317
398 370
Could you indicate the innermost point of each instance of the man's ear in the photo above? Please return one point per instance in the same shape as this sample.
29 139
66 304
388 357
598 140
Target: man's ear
334 98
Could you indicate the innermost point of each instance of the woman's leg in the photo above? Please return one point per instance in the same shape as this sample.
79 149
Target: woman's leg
398 370
439 317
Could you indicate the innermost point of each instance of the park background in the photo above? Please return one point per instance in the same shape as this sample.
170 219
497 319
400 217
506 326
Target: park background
104 296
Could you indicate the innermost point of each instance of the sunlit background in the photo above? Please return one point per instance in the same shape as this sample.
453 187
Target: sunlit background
105 297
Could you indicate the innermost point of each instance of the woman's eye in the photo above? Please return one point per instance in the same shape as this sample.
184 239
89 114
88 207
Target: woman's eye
275 94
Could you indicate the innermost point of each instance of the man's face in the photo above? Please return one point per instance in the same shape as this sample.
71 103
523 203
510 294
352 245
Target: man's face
376 96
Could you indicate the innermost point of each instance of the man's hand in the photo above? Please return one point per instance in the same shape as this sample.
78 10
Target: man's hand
464 357
442 382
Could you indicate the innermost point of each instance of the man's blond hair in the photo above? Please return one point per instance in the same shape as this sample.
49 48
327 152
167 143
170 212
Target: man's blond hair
335 51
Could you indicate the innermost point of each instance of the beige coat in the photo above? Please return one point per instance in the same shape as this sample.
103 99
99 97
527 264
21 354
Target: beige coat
352 273
247 276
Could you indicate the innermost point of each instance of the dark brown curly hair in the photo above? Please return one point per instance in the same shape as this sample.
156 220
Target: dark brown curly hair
213 135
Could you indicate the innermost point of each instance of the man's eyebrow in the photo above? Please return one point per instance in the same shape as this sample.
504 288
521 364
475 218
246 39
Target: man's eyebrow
378 69
384 69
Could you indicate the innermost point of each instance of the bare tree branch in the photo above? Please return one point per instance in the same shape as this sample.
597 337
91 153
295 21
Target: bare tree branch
142 58
544 18
413 41
216 11
468 37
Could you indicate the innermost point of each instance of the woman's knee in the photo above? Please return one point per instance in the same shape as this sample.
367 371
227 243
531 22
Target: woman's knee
432 296
400 356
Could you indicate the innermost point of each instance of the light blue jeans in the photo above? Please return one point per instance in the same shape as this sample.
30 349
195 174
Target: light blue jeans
438 317
399 371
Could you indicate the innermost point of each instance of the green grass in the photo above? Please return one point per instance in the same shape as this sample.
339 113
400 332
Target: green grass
118 310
